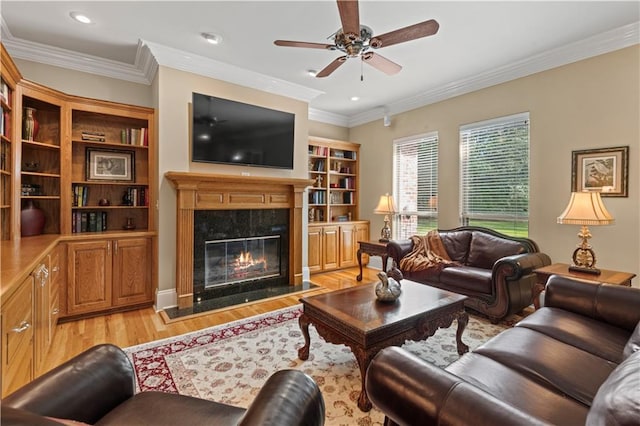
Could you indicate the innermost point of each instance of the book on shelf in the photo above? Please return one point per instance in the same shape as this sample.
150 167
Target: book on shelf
320 151
93 136
5 93
95 221
80 195
134 136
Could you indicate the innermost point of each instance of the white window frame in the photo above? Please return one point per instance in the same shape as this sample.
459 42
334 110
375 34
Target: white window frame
513 200
411 216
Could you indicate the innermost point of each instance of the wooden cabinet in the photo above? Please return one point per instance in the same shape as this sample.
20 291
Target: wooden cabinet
9 77
108 274
17 338
334 167
333 246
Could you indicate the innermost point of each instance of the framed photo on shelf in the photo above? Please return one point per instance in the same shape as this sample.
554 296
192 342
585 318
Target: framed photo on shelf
110 165
604 170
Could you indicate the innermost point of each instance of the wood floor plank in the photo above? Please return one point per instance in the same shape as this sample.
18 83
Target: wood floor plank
145 325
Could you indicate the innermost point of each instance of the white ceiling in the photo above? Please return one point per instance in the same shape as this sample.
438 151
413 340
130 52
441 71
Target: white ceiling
479 43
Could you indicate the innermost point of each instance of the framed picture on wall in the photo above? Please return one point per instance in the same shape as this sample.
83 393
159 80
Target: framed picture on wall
110 165
604 170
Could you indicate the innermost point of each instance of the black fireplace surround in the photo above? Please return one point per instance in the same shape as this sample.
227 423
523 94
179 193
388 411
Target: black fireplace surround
213 226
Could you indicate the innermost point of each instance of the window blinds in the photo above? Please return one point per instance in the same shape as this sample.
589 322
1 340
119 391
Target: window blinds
495 174
415 184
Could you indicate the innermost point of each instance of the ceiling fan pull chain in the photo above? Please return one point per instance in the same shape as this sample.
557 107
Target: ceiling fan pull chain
361 71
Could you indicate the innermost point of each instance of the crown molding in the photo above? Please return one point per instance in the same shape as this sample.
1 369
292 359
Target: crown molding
328 117
599 44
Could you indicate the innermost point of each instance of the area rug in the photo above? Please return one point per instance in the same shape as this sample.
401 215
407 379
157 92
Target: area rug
230 363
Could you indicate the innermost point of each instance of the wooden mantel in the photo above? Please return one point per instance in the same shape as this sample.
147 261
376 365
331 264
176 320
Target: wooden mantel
204 191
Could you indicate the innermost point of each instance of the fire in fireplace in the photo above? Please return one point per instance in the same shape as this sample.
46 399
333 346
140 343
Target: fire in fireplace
230 261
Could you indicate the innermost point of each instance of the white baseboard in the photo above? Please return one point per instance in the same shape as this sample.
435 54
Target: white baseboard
166 299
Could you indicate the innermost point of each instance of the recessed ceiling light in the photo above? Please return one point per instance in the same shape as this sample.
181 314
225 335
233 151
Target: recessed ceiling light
212 38
80 17
312 73
355 98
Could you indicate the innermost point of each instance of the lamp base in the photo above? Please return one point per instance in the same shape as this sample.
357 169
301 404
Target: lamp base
383 240
586 270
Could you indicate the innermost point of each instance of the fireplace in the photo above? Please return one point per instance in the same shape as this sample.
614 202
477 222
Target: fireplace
267 204
236 251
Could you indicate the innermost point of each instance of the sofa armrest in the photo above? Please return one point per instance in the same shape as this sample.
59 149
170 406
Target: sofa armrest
397 249
84 388
289 397
613 304
520 265
410 391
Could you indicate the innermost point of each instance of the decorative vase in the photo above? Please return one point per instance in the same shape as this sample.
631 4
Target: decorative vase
32 220
387 289
30 124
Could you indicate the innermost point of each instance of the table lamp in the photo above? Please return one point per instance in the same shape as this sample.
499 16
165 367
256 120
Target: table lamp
386 206
585 208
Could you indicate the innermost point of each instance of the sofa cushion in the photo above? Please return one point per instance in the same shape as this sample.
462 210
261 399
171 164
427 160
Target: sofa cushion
633 344
596 337
514 388
457 244
486 249
475 280
618 399
550 362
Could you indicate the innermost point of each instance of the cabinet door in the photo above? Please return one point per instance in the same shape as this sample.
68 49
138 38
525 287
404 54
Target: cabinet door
348 246
314 261
131 271
89 276
17 338
330 247
41 315
362 234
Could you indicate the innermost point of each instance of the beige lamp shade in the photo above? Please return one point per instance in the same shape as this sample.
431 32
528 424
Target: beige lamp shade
386 205
585 208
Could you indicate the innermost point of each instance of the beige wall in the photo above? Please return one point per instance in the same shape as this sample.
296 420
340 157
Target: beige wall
593 103
88 85
330 131
174 102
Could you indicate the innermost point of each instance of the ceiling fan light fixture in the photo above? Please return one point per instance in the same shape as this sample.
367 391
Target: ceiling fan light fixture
212 38
312 73
80 17
355 98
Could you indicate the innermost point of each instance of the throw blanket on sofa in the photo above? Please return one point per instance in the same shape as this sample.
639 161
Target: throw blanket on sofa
428 252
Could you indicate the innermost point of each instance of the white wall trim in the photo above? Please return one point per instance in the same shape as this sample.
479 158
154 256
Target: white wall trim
166 299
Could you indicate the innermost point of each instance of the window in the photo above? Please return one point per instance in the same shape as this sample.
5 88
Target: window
415 185
495 174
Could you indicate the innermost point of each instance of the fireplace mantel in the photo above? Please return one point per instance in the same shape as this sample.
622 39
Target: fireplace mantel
203 191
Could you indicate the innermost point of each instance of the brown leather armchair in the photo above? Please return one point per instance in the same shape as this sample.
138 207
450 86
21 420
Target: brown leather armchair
97 387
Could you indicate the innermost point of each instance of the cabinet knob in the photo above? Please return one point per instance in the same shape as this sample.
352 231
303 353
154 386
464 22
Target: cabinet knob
55 269
24 325
55 311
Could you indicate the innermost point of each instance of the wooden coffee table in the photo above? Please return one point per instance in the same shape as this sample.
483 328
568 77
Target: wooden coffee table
353 317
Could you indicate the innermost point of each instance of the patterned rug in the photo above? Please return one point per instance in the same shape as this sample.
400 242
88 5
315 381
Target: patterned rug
229 363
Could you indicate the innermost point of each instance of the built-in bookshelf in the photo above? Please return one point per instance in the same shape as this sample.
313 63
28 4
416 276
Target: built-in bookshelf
333 165
103 134
9 77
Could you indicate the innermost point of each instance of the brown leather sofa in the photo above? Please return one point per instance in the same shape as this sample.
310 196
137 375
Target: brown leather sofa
495 270
575 361
97 387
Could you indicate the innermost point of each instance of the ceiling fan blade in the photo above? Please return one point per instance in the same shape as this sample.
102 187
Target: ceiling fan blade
287 43
332 67
412 32
380 62
350 17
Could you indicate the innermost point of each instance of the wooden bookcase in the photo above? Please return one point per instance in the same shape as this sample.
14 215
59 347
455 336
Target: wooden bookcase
334 225
9 78
100 130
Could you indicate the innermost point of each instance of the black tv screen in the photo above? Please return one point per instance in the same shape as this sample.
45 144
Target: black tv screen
231 132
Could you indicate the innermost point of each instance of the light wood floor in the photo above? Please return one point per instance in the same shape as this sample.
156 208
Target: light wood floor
145 325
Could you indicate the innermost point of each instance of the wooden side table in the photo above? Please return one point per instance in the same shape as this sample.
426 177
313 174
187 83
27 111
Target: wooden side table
372 248
606 276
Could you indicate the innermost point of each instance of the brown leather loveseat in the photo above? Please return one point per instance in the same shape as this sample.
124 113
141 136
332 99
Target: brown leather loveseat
493 269
575 361
97 387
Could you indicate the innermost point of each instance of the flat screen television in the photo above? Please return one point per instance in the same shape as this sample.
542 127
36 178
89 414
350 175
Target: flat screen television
230 132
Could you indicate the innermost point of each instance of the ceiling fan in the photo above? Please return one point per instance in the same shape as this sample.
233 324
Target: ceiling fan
357 40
